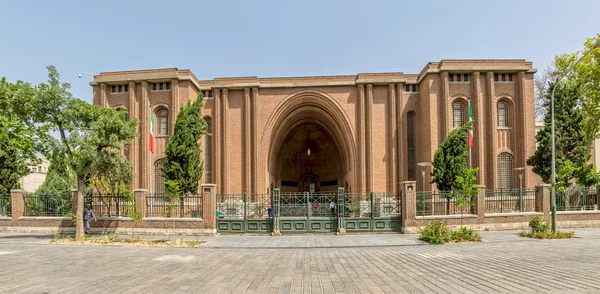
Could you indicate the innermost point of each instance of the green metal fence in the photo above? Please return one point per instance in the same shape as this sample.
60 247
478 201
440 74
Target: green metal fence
5 207
48 205
585 198
243 206
111 205
307 204
510 200
438 203
185 206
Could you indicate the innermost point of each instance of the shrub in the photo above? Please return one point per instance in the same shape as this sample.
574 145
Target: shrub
465 235
541 230
538 226
436 233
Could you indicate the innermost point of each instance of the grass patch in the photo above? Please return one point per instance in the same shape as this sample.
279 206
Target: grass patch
541 230
137 241
439 233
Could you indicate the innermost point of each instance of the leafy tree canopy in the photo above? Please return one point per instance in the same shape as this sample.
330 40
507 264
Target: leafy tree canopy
451 158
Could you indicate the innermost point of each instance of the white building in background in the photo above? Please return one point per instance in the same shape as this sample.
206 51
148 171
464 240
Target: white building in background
36 176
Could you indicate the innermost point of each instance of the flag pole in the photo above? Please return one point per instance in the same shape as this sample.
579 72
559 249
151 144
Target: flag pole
470 132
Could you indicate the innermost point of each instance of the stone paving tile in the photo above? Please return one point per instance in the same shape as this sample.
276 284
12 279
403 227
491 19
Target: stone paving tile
497 266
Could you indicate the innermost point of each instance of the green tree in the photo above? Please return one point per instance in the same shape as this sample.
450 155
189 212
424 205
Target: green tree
182 158
20 137
87 132
465 189
585 77
572 145
451 158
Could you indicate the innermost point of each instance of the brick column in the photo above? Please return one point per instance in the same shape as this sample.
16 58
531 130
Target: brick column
143 171
399 135
134 142
255 109
542 199
246 188
209 207
74 201
478 107
224 146
491 121
369 137
103 100
479 204
391 124
17 204
521 158
174 106
216 133
140 201
360 137
409 206
446 123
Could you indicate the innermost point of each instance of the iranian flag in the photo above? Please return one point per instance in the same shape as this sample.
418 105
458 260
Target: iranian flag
151 143
470 120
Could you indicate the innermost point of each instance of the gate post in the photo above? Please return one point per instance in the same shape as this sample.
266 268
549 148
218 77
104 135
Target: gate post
542 200
209 207
17 205
341 228
276 210
409 206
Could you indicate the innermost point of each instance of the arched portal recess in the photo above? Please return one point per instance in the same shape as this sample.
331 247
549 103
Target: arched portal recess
311 122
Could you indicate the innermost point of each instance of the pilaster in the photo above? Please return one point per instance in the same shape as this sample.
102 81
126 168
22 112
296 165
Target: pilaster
400 134
255 113
361 137
445 127
17 205
217 138
174 105
247 146
103 99
133 151
145 165
542 199
209 207
140 201
491 121
478 140
391 130
369 137
224 141
409 205
521 159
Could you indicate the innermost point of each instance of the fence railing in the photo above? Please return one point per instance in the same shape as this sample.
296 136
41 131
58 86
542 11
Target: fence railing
585 198
5 205
48 205
439 203
240 206
188 206
505 201
380 204
111 205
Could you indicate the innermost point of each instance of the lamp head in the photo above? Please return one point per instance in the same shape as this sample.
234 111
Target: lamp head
79 75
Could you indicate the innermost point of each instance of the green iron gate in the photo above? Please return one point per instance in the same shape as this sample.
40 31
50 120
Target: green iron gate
308 212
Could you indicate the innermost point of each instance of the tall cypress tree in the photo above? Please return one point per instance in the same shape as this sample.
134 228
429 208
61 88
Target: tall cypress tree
451 158
182 159
572 147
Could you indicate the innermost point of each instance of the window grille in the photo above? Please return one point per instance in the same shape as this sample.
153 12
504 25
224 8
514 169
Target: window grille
458 114
163 121
503 114
505 171
159 179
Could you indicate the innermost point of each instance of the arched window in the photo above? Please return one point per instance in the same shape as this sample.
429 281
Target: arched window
208 152
458 114
503 114
159 179
505 171
163 121
410 129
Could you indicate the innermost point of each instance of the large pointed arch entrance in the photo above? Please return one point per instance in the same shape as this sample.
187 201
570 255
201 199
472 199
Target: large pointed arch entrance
311 155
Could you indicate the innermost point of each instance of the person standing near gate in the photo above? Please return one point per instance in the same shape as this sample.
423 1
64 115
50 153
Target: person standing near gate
332 207
88 216
269 209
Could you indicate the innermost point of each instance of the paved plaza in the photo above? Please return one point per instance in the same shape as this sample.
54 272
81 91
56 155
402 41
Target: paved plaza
388 263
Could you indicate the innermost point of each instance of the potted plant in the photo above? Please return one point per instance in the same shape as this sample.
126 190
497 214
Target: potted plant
351 208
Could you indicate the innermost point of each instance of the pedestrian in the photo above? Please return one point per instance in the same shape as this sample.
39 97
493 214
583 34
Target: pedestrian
88 216
332 207
269 209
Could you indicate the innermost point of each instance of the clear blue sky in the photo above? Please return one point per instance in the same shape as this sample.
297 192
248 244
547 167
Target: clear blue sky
280 38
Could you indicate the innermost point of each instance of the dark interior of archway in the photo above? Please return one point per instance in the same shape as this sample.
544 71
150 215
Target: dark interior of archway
320 171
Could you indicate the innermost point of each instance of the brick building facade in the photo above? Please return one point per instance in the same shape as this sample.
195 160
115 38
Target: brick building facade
365 132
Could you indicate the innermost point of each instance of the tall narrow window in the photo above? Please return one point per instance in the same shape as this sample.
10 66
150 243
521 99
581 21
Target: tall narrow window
159 179
495 77
208 152
466 77
510 78
414 88
410 129
163 121
168 86
458 114
451 77
503 77
458 77
407 88
503 114
505 171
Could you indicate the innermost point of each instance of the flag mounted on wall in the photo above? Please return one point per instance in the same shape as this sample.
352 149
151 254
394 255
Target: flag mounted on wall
470 120
151 143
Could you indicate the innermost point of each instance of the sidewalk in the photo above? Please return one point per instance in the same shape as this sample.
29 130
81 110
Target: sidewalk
300 241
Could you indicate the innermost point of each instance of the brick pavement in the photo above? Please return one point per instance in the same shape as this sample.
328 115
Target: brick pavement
504 264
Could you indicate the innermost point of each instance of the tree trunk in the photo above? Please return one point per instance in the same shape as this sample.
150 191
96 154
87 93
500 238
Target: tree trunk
79 234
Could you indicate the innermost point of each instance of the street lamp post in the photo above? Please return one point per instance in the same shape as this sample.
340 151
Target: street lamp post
553 167
520 169
85 73
423 165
